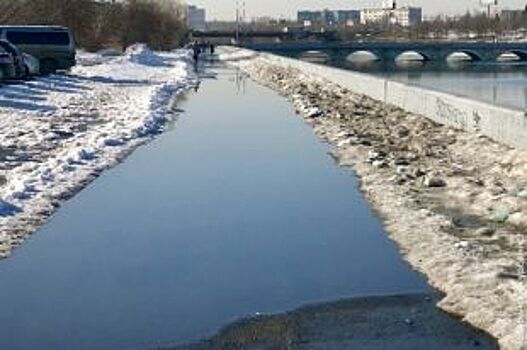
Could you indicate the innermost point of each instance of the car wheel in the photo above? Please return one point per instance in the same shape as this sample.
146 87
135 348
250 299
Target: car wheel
48 67
26 72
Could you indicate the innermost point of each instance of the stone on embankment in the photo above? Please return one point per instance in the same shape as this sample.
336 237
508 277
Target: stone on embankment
500 215
518 219
435 181
485 231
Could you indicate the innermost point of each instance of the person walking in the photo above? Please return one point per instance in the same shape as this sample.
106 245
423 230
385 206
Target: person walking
196 50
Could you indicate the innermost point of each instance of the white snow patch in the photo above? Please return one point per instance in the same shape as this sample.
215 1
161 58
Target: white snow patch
59 132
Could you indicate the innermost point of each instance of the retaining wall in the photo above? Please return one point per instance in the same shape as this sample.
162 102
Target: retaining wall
507 126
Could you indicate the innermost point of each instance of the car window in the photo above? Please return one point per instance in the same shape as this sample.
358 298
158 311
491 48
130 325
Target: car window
38 38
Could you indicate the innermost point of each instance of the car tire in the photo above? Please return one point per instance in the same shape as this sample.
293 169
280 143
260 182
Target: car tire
48 66
26 72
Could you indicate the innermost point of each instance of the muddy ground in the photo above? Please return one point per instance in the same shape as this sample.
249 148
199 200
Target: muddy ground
392 322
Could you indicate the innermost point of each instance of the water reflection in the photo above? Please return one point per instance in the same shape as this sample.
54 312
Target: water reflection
239 210
315 57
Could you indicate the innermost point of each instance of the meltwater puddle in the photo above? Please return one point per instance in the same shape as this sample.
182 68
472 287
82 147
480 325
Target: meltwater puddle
237 210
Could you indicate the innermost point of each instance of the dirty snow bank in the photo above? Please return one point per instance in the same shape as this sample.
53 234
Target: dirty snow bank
58 133
455 202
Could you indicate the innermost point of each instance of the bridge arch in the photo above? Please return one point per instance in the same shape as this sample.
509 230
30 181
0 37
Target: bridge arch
362 56
521 55
464 55
412 55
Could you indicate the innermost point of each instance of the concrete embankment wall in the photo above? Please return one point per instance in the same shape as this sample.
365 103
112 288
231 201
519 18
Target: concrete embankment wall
507 126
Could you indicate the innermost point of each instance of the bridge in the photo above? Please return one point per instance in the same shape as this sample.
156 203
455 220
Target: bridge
250 35
389 51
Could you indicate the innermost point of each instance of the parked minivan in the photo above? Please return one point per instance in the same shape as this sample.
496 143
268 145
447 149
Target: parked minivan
53 46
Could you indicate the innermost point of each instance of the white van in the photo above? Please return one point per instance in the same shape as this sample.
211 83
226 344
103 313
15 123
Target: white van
53 46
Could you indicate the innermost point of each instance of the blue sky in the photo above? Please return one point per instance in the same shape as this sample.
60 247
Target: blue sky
225 9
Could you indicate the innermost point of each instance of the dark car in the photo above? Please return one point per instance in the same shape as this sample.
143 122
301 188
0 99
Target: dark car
17 58
53 46
7 66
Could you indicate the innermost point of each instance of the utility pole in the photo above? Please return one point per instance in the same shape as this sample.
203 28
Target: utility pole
243 17
237 22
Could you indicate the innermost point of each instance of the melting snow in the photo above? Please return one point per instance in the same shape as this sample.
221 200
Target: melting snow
57 133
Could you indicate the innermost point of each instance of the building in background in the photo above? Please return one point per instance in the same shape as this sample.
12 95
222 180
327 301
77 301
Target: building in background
196 18
309 17
391 14
348 17
514 15
329 17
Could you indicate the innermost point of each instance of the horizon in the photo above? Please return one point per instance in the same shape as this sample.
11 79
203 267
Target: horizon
223 10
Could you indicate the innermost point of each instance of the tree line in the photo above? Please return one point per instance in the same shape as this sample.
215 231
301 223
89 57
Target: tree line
104 23
479 23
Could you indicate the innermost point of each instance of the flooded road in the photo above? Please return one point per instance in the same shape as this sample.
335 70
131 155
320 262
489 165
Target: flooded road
236 210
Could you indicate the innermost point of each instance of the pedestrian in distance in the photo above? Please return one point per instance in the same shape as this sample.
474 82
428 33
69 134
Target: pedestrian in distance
196 50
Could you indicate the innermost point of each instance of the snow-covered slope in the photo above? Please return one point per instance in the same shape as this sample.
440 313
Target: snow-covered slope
59 132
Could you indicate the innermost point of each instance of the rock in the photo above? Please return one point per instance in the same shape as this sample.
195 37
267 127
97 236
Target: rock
435 181
518 219
477 181
457 169
485 231
398 179
314 113
366 142
344 143
403 131
402 170
379 164
418 172
508 275
463 245
401 161
497 190
376 155
500 215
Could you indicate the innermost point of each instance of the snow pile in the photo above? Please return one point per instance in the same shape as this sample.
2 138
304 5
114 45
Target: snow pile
141 54
138 65
58 133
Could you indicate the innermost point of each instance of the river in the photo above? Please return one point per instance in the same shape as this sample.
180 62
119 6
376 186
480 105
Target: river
499 83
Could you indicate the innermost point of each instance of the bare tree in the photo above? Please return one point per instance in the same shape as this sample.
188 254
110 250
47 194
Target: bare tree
159 23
